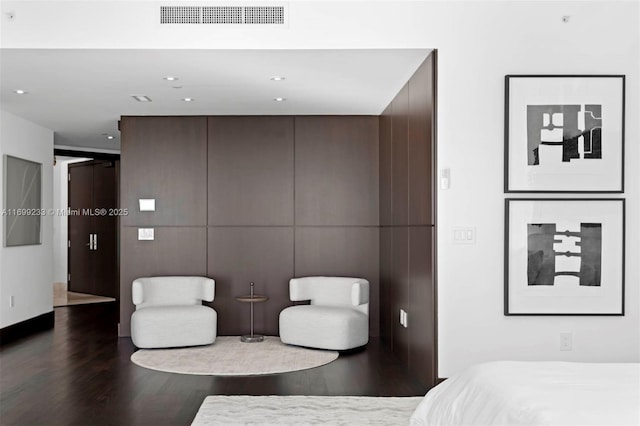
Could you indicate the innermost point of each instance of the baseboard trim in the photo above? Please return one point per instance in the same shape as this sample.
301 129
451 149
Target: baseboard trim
27 327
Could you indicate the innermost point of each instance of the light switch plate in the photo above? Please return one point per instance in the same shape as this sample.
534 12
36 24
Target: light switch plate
464 235
146 234
147 204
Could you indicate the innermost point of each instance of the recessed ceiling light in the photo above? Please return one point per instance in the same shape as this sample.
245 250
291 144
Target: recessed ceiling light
110 137
170 78
279 99
141 98
277 78
188 99
20 92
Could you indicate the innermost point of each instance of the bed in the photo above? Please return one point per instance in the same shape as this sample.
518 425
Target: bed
535 393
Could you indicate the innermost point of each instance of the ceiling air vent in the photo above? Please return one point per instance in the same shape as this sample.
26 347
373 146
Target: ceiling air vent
221 15
264 15
180 15
224 14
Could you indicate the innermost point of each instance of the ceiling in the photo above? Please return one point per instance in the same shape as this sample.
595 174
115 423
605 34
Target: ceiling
80 94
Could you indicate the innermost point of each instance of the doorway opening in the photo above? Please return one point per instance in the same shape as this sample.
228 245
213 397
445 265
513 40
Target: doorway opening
85 228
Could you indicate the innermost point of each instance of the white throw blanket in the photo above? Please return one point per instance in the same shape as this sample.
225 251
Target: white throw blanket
535 393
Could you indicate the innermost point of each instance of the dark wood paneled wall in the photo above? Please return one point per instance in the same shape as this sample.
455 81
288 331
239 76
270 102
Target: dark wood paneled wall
407 219
164 158
336 171
251 171
280 197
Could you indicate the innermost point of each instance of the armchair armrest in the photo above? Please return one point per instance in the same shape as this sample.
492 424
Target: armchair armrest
137 293
360 293
208 289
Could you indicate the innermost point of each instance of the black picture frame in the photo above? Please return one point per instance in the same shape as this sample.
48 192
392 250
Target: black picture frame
559 167
22 192
525 293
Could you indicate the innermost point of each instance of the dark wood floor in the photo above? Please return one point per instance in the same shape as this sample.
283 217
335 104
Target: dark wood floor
79 373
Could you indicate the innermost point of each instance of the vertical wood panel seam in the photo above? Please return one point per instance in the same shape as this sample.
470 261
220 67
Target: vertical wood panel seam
295 224
206 243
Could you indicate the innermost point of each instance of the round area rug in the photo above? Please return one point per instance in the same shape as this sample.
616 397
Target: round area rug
228 356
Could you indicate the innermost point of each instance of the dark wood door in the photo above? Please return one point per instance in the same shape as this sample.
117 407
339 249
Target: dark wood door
105 253
80 257
93 203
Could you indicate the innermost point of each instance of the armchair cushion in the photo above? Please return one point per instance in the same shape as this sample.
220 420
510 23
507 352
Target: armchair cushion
325 327
170 291
331 291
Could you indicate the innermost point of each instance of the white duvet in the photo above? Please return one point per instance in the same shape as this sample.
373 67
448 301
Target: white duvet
535 393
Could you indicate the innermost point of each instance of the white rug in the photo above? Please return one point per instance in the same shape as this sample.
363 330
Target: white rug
305 410
228 356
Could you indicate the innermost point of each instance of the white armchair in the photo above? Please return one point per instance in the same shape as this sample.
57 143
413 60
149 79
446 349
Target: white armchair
169 312
336 319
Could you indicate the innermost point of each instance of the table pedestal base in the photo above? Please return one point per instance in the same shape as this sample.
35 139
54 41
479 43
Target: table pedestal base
251 338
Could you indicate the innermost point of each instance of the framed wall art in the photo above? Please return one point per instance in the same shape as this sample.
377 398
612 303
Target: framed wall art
564 133
564 256
22 202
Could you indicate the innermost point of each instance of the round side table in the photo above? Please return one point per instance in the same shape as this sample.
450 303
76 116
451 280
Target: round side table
252 298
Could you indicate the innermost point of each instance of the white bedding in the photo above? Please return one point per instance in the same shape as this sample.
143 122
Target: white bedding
535 393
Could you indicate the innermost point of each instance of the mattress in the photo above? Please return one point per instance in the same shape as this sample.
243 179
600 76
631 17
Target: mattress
535 393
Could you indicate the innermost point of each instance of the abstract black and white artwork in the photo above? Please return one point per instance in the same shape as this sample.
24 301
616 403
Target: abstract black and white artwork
574 250
564 133
22 202
564 257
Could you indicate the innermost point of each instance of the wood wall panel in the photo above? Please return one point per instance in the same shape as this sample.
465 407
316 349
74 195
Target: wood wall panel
410 282
385 168
250 171
400 291
343 252
422 305
386 282
400 157
175 251
240 255
421 97
164 158
336 166
234 178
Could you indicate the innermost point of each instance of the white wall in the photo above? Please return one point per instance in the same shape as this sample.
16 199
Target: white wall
60 222
26 272
478 43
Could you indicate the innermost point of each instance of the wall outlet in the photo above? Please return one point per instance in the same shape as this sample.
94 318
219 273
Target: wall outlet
403 318
566 341
12 302
445 178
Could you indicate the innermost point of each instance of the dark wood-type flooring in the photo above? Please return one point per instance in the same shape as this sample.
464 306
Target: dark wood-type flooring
79 373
